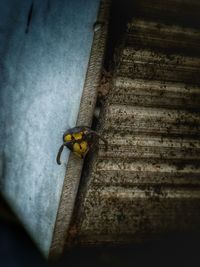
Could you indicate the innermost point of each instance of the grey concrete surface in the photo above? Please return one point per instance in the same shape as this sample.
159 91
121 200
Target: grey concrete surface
44 52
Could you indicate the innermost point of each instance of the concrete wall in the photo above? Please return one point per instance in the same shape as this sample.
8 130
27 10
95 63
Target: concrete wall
44 52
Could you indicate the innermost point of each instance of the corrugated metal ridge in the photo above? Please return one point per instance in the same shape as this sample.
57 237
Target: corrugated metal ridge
153 93
130 193
150 65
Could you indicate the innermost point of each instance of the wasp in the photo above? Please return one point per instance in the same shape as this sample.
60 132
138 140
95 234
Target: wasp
79 140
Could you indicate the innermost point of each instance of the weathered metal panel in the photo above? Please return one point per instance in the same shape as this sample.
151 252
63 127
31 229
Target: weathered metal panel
148 180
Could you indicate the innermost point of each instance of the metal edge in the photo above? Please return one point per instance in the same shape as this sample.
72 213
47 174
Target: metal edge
87 105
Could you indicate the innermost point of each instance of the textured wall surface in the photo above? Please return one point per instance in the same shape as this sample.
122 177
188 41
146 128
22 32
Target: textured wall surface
45 48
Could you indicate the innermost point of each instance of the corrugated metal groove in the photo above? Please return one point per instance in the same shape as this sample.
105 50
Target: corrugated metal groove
159 36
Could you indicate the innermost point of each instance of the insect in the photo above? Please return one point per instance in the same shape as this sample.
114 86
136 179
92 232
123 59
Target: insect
79 140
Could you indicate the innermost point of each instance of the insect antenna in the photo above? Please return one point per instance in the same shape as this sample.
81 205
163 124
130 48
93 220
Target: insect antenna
59 154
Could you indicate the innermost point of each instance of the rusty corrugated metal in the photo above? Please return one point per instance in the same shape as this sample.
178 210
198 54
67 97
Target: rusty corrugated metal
148 181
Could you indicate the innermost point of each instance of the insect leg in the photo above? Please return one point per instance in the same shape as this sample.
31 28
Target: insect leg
100 137
59 154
